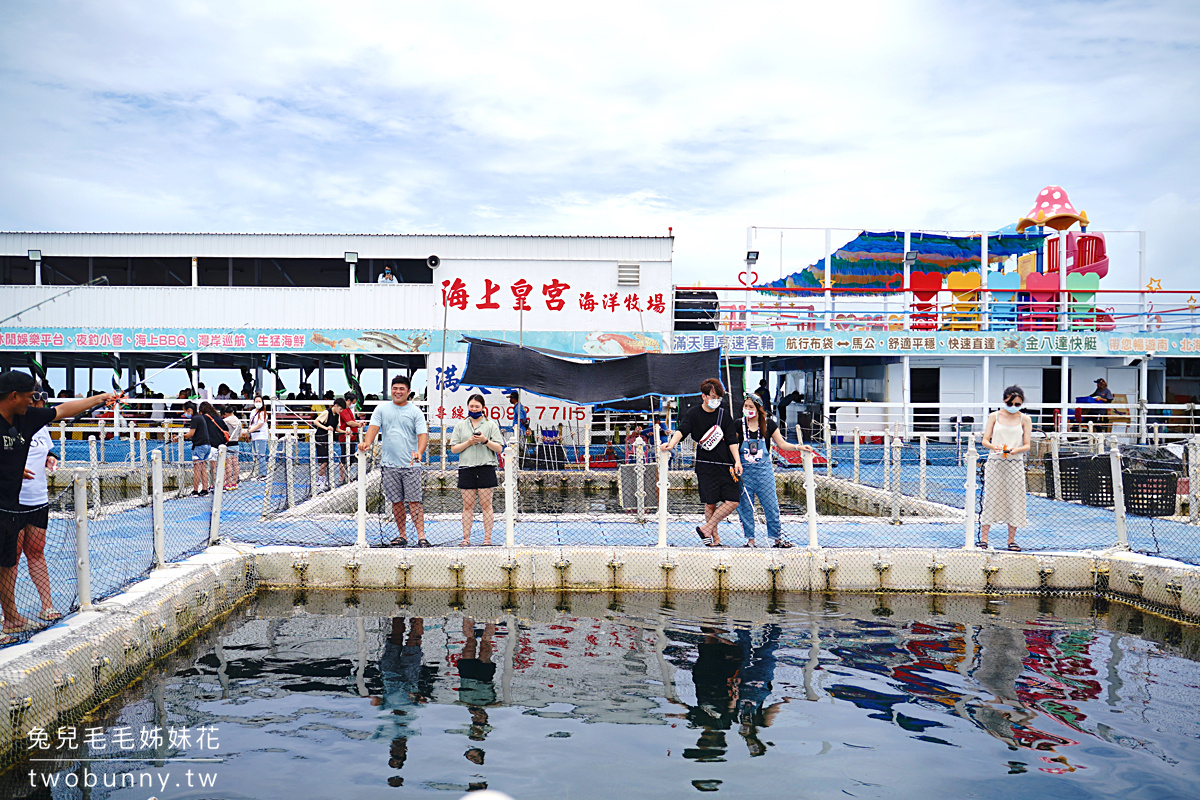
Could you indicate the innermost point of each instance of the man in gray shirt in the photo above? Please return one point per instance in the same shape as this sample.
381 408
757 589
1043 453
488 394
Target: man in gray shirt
405 436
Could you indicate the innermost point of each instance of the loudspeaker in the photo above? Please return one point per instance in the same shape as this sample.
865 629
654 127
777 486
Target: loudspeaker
433 262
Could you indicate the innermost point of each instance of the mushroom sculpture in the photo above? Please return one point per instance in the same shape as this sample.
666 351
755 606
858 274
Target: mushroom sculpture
1052 209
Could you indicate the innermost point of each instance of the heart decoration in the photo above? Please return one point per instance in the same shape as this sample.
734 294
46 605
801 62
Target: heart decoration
746 279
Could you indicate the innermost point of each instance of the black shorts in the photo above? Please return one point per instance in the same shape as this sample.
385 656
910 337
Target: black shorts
37 516
716 484
481 477
323 446
11 524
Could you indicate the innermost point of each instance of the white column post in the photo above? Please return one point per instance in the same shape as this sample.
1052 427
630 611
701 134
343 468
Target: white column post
664 489
896 458
825 410
289 458
214 525
62 442
1118 490
361 513
195 271
100 427
83 575
987 390
329 462
1063 323
1143 395
906 312
971 485
95 473
639 474
828 452
886 483
905 392
1055 444
810 499
510 495
156 481
312 462
856 459
180 458
921 488
1193 453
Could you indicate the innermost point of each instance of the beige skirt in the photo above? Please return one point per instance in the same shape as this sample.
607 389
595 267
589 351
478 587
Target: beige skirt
1004 492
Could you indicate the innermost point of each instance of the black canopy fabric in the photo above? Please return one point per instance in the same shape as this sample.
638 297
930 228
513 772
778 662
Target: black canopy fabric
502 364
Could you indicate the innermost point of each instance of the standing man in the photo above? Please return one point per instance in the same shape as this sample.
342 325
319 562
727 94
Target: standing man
764 394
18 424
1102 395
520 420
405 436
718 460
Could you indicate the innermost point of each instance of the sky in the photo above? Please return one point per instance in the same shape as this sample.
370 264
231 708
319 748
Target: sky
610 119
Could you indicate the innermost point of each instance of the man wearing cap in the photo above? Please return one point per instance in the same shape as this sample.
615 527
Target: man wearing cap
18 424
1102 395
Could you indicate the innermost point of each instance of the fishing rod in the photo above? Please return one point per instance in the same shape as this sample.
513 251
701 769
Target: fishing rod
103 279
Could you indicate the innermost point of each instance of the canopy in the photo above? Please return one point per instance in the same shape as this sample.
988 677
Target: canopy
503 364
875 260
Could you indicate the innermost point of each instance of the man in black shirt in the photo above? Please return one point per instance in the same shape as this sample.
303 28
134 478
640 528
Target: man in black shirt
718 463
18 424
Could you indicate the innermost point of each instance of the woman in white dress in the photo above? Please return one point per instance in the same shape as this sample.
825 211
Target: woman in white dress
1007 436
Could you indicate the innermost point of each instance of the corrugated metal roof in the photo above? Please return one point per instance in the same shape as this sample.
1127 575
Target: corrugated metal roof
333 245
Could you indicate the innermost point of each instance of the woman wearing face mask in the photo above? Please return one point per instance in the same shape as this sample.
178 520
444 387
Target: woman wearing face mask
759 432
1007 436
477 441
718 463
259 425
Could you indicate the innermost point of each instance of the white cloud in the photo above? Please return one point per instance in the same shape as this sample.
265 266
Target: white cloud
619 119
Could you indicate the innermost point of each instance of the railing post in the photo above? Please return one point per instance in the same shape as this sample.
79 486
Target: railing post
62 441
179 459
142 446
828 450
921 488
312 461
101 428
289 457
95 473
856 461
218 488
1157 440
971 485
896 453
1118 489
639 474
1193 452
330 462
269 477
886 483
361 514
664 488
156 499
83 575
510 493
1054 461
810 499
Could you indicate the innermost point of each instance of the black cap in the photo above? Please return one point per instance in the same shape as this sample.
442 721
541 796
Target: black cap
1099 380
13 381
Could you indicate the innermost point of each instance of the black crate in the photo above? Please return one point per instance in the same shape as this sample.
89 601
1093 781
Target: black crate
1095 481
1150 492
1070 475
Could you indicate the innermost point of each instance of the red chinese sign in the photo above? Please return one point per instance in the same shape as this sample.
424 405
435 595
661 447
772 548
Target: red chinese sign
455 294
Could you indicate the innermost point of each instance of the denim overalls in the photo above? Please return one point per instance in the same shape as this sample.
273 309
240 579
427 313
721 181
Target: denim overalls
758 479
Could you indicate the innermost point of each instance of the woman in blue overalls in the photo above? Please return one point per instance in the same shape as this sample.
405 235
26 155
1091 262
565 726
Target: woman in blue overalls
759 432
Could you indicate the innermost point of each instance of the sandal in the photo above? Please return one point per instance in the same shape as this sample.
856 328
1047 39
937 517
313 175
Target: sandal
465 543
50 616
401 542
707 540
981 544
781 544
749 543
7 639
423 543
1016 548
711 543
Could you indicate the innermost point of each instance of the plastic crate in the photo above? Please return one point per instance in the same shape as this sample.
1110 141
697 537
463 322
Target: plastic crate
1150 492
1095 481
1070 475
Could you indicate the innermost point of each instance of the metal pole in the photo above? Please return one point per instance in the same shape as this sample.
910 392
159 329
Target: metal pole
1144 392
329 462
810 499
100 425
1157 441
1193 478
83 578
664 486
1054 460
1118 489
905 391
95 472
1064 389
921 488
896 480
510 495
856 459
143 473
312 461
886 483
214 525
361 514
970 485
156 480
180 458
825 407
289 457
62 442
639 474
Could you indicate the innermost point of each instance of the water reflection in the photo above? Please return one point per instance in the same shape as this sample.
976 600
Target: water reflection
591 695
